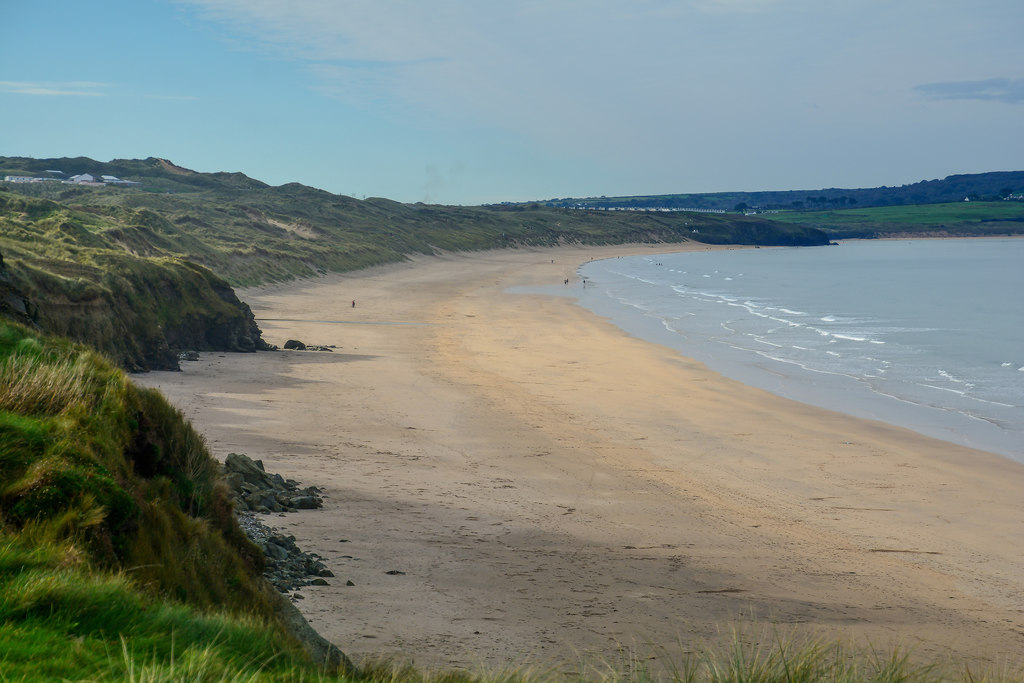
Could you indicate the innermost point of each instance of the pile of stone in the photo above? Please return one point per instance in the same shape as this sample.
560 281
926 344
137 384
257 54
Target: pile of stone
257 491
296 345
254 490
287 567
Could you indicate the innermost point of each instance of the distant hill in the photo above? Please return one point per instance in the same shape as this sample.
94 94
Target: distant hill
955 219
143 272
954 188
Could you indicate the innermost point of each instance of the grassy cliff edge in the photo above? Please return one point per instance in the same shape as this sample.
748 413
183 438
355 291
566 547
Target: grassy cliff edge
116 530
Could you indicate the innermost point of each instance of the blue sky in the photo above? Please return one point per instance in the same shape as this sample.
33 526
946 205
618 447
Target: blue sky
472 101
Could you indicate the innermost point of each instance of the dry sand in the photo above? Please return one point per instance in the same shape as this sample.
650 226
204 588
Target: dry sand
549 486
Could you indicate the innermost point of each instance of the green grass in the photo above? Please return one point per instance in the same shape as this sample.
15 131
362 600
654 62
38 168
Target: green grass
960 218
87 456
60 619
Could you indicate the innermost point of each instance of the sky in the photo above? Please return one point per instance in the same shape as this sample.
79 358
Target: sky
480 101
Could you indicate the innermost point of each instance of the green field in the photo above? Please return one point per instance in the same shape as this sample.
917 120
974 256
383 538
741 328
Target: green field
959 219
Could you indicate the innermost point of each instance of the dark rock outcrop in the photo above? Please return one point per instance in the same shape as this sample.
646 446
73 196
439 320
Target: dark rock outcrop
139 312
287 567
254 490
257 491
296 345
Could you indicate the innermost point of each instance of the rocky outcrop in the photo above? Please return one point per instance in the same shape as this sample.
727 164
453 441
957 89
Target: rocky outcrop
139 312
227 326
257 491
296 345
287 567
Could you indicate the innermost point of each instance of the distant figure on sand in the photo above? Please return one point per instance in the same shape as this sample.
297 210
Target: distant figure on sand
353 303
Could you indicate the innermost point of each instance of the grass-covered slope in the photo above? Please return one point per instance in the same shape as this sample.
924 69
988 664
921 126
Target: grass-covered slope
89 457
249 232
136 271
962 219
114 524
69 272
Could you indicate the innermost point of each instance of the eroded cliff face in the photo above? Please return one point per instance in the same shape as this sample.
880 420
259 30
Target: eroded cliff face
13 303
141 313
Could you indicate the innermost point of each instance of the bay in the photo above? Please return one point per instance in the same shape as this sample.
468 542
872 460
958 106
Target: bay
924 334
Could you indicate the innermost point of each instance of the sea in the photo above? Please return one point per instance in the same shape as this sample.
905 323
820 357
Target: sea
923 334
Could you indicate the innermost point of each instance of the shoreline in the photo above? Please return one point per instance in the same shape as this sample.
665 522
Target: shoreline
827 389
551 487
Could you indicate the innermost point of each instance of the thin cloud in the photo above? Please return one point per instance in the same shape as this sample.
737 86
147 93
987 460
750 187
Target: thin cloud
179 98
1006 90
49 89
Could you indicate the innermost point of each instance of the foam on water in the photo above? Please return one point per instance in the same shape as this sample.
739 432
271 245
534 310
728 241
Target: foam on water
926 334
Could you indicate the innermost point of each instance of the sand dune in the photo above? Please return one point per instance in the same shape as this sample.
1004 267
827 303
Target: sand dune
549 486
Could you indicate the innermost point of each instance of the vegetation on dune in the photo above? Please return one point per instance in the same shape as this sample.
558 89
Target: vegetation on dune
136 272
250 233
107 283
87 456
115 524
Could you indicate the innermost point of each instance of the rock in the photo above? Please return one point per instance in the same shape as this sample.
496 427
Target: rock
319 582
295 344
322 651
258 490
275 552
255 490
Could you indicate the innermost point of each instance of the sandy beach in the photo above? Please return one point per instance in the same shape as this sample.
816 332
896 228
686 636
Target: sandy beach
542 486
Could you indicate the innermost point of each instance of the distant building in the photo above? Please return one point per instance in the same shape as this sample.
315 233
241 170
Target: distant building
80 179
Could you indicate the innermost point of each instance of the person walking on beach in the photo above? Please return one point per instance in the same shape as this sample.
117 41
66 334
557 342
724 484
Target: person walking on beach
353 303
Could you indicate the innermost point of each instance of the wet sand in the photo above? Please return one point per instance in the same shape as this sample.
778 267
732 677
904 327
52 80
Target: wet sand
549 487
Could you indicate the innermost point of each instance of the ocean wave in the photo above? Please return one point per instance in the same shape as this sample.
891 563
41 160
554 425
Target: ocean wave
762 340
